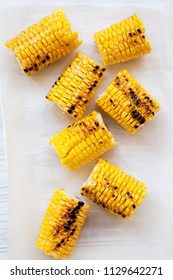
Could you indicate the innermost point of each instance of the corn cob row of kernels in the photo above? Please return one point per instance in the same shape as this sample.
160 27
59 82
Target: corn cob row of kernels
113 189
122 41
61 225
127 102
83 141
76 86
44 42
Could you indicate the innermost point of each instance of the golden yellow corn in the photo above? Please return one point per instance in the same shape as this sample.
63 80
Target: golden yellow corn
61 225
113 189
83 141
44 42
122 41
76 86
127 102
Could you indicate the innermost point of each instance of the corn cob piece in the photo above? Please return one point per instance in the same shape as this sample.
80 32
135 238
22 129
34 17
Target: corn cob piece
83 141
113 189
61 225
44 42
128 103
122 41
76 86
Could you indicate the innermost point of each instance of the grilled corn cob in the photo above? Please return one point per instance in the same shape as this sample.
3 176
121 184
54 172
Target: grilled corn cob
83 141
76 86
61 225
122 41
128 103
44 42
113 189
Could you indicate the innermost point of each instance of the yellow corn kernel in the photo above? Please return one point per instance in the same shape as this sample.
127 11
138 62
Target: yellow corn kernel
83 141
124 41
113 189
127 102
76 86
61 225
48 37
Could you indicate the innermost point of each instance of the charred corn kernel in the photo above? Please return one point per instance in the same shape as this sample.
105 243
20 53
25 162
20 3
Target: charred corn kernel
113 189
127 102
46 41
76 86
83 141
61 225
122 41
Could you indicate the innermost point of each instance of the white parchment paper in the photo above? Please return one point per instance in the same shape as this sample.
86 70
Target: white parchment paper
30 121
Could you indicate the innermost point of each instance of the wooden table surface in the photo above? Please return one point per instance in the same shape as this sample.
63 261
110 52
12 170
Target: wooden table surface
4 252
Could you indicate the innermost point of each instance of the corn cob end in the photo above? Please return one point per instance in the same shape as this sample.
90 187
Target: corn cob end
76 86
83 141
128 103
44 42
122 41
61 225
113 189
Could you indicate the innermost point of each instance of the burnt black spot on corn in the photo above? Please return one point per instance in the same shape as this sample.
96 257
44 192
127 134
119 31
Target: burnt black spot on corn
129 106
134 206
120 42
69 111
47 41
67 227
77 82
73 216
120 200
80 203
137 102
60 243
79 144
